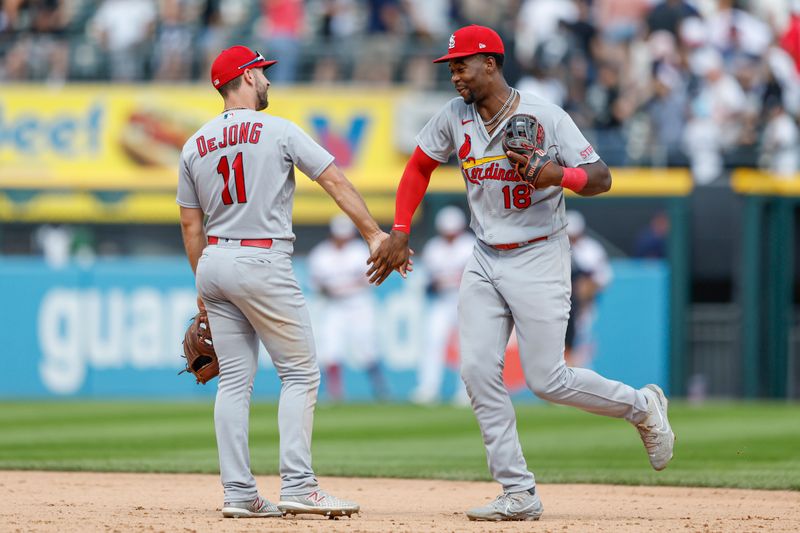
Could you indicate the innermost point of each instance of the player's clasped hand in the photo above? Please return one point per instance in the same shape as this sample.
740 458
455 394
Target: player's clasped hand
537 169
392 254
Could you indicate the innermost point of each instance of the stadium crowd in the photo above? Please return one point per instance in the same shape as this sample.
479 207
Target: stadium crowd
708 84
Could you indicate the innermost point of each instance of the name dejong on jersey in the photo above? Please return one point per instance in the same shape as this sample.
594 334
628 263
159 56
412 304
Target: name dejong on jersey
240 133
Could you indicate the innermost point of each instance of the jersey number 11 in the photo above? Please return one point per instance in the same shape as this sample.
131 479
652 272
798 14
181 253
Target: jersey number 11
224 170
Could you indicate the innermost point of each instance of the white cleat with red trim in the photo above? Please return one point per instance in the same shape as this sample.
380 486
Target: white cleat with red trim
257 508
317 502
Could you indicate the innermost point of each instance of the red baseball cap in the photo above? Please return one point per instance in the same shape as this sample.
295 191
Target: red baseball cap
232 62
471 40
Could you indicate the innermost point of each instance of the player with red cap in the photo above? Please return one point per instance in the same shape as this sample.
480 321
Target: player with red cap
231 63
238 171
519 273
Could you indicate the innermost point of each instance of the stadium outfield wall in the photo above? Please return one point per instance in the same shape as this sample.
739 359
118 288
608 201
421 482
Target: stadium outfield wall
113 328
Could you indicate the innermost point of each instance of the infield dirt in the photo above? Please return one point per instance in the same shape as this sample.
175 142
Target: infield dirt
84 501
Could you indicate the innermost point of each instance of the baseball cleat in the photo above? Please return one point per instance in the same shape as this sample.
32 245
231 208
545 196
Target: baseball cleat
258 508
510 506
317 502
656 433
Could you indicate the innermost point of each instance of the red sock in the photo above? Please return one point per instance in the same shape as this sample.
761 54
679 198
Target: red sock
334 385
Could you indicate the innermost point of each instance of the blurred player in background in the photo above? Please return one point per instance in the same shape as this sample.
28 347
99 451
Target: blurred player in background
444 258
347 314
591 274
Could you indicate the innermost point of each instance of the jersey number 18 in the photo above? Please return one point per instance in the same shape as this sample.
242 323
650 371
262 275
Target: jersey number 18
519 196
224 170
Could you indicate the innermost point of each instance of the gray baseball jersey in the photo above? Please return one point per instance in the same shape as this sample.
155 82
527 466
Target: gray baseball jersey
503 208
239 169
527 288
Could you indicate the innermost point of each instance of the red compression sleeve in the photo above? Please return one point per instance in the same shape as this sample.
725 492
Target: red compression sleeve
413 185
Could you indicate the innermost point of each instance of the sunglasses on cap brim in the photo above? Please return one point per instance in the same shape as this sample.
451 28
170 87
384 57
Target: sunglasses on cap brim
258 59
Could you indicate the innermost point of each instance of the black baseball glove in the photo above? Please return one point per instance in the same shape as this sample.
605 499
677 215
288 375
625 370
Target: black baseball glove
525 136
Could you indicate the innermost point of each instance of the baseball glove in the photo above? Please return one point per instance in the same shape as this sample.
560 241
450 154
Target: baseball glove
525 136
198 349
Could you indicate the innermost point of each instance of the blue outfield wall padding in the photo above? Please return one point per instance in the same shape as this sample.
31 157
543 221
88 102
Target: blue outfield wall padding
114 329
632 328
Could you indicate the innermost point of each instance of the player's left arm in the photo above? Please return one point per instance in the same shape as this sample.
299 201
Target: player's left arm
590 179
598 178
194 239
579 168
194 234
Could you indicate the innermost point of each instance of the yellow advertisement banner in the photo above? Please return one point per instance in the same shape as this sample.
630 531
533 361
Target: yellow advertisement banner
130 137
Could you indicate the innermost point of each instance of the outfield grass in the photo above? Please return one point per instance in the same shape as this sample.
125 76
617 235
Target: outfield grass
750 445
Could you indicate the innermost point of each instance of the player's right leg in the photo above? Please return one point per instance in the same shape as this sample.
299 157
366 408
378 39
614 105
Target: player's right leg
484 329
236 345
271 299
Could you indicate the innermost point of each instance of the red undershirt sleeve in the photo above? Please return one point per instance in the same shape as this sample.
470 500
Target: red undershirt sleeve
411 190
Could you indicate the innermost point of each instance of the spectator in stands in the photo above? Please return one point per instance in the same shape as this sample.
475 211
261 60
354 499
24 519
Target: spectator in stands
651 242
544 83
429 22
173 43
214 33
338 25
501 15
537 23
609 110
282 28
781 70
668 15
38 49
780 144
429 19
790 39
716 116
124 28
379 50
582 30
620 20
667 115
734 31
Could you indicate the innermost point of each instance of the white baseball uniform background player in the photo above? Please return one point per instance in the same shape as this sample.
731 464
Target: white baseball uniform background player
594 274
444 258
345 310
238 171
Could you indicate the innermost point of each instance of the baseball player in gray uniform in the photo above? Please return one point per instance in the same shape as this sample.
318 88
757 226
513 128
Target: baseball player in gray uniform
238 170
519 274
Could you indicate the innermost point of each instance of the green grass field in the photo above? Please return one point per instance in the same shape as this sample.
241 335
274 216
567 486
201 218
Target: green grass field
754 445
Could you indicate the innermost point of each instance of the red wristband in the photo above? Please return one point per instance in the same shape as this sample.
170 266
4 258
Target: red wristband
574 179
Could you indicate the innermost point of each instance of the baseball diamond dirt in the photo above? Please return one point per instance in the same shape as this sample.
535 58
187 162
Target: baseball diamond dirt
86 501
